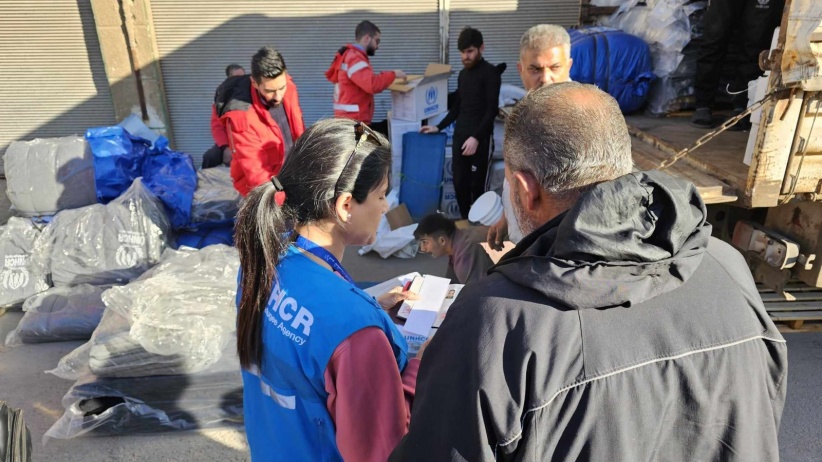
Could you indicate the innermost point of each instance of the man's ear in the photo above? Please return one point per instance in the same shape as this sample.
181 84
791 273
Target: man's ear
482 48
529 191
343 206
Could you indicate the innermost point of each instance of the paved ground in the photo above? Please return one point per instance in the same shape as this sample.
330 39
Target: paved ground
23 384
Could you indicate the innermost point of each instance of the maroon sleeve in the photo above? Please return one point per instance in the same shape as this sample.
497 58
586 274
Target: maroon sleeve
368 399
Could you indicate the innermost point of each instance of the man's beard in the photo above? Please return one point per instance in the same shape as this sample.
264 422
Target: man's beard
370 51
526 224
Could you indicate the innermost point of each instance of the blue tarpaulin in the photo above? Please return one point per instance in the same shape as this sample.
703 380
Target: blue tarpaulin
616 62
119 158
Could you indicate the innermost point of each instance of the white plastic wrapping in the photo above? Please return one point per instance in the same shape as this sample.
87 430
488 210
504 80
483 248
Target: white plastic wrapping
666 26
176 318
21 274
45 176
215 198
399 242
106 244
164 355
59 314
142 405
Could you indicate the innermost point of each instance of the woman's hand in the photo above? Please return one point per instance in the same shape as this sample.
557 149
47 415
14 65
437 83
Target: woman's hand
396 295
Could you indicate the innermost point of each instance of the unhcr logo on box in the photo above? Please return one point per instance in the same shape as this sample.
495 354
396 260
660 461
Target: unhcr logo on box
431 95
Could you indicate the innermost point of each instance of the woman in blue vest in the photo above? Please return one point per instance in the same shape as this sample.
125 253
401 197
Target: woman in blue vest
325 371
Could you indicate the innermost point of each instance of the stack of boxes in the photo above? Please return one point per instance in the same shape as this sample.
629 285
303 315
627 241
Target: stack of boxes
417 98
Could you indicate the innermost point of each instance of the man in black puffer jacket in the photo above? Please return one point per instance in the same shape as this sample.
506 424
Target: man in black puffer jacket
618 329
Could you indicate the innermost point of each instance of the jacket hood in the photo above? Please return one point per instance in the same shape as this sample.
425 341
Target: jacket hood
331 73
624 242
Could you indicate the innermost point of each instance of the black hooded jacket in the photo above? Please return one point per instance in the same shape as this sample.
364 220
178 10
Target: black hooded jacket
619 331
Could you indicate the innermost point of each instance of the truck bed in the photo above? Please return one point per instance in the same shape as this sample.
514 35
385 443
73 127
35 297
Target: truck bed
716 168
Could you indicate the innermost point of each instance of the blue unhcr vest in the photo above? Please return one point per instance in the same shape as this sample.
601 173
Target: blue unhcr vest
310 312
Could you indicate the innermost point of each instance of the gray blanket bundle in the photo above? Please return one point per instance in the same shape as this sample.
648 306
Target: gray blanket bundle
106 244
59 314
47 175
21 273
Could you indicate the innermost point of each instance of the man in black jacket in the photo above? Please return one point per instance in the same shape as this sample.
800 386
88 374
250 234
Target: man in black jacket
617 329
475 108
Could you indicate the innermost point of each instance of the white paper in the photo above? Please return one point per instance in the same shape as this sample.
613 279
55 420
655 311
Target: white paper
453 292
425 310
384 287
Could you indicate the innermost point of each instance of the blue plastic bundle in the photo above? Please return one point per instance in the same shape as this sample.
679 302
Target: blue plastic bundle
205 235
118 160
171 176
120 157
616 62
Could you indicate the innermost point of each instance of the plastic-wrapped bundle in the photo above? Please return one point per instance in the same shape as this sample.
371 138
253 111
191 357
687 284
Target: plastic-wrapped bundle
118 159
59 314
666 26
617 62
175 319
116 406
106 244
170 175
21 273
207 234
215 199
45 176
164 355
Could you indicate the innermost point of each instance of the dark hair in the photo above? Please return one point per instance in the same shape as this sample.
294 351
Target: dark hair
550 135
231 68
469 37
316 171
365 28
267 62
435 225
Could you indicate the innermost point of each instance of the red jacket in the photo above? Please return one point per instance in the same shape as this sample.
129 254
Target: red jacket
217 129
355 84
255 139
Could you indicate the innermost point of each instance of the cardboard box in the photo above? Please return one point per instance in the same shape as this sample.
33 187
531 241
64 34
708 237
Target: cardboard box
396 129
421 96
399 217
449 130
462 224
496 176
448 204
448 169
499 137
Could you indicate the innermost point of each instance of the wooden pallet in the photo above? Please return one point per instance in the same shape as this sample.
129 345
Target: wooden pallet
801 315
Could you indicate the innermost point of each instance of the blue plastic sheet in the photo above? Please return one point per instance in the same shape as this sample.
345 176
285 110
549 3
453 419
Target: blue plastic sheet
118 160
171 176
616 62
206 235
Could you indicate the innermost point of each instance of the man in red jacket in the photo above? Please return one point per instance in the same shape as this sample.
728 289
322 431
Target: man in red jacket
220 153
262 118
355 83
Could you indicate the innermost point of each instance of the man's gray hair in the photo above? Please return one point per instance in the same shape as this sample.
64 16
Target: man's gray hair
569 136
543 37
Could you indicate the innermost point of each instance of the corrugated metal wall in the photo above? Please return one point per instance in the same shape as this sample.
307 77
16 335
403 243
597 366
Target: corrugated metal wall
502 23
52 79
197 40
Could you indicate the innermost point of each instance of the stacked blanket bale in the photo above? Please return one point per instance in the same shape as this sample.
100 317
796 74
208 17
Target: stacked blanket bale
164 356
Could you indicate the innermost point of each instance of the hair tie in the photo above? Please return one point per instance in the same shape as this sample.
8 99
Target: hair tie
279 195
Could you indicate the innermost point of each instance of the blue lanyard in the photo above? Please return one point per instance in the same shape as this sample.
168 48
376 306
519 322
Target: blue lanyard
324 255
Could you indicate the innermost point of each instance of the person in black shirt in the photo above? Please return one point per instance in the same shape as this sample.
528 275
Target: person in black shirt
475 107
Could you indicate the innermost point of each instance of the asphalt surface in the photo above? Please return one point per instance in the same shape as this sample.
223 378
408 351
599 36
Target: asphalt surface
24 384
